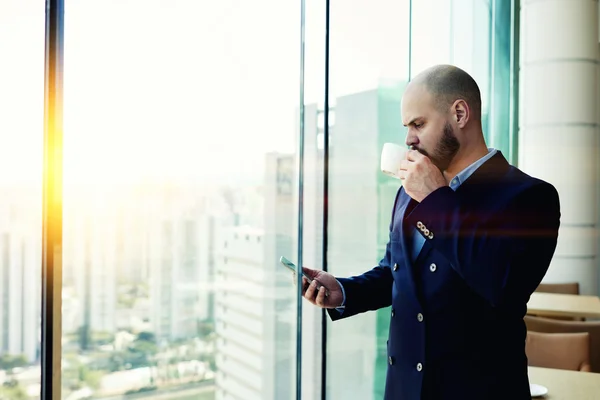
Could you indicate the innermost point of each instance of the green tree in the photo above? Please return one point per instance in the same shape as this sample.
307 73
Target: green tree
8 361
85 337
146 337
205 328
89 377
11 390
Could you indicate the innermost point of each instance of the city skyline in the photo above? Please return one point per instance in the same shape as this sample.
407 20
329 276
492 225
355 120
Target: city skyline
131 260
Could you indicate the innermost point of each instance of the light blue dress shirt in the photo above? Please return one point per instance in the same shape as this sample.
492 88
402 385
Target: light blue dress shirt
418 239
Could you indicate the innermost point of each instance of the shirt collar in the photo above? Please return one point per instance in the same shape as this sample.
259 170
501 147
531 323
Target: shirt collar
467 172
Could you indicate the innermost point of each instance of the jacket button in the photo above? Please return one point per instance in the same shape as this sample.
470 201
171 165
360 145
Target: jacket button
432 267
395 267
393 312
419 367
431 235
420 225
420 317
391 360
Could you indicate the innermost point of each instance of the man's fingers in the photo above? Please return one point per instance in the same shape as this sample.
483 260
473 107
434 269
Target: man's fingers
305 285
320 300
312 274
310 292
404 165
413 155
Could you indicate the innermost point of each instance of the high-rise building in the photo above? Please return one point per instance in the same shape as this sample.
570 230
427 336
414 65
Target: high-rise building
176 268
206 243
19 295
312 245
240 314
255 297
360 199
359 231
20 285
92 258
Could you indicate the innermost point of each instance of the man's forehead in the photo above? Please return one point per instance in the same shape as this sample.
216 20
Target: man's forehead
415 103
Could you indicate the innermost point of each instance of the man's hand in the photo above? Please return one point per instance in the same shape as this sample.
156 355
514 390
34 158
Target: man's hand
321 282
420 177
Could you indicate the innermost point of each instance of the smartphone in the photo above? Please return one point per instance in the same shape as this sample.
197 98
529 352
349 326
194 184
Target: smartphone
292 267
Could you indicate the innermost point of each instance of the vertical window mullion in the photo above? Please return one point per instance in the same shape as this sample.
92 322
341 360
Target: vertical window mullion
325 202
52 203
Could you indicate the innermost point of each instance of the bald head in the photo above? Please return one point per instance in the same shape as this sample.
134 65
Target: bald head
446 84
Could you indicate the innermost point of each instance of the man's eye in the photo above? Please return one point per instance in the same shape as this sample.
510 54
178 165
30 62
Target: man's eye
418 126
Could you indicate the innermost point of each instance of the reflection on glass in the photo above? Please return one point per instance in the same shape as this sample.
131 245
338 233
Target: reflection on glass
21 135
474 35
312 243
178 201
369 70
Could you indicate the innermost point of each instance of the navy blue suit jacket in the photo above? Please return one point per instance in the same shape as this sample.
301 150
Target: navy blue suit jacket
457 329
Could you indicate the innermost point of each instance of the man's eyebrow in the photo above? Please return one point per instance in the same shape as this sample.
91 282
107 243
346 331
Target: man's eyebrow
412 122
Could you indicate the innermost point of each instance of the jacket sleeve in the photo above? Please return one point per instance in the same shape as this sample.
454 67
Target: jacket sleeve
509 247
371 290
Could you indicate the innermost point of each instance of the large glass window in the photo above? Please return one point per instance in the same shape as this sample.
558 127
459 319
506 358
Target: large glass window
21 135
181 154
313 198
369 70
474 35
373 55
178 143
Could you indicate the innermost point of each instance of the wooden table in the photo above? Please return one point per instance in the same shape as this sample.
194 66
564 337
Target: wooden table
566 385
564 305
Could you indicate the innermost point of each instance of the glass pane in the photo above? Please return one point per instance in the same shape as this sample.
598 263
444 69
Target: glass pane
179 137
474 35
369 61
312 244
21 155
369 70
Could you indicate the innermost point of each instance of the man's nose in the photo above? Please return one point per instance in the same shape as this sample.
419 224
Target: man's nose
411 139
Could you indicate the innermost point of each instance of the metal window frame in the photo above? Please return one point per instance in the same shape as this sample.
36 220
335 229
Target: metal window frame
300 206
325 235
513 140
51 350
513 113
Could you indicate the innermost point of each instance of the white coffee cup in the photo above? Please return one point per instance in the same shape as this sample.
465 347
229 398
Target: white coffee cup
391 155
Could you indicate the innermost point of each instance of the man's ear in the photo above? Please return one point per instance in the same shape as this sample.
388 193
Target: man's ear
461 112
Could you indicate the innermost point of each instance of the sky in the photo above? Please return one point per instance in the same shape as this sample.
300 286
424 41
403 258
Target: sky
193 89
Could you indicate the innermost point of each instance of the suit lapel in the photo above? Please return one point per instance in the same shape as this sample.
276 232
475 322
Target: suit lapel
486 175
407 204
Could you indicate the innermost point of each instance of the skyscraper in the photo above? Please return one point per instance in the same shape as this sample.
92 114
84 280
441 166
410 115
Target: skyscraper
360 204
206 243
312 249
19 295
176 266
255 297
92 258
20 288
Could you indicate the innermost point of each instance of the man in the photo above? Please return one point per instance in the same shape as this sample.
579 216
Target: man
471 237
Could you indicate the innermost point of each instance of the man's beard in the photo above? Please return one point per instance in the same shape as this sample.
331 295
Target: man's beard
445 150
